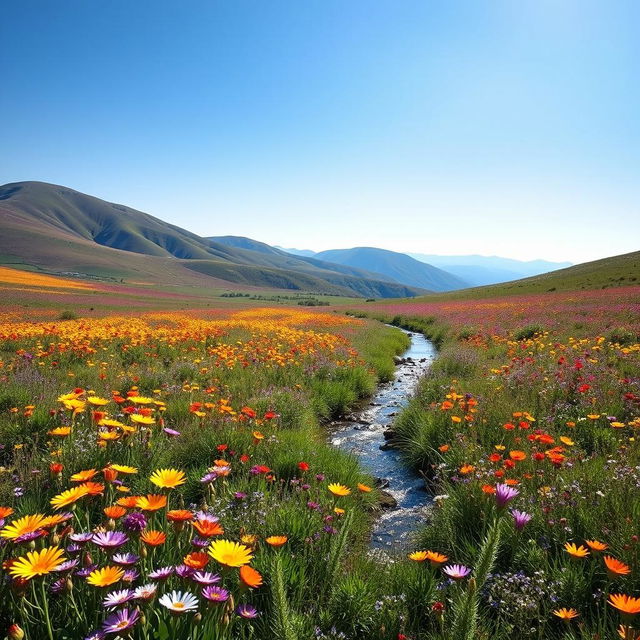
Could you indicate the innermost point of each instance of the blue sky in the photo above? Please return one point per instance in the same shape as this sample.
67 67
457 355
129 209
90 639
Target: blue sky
450 127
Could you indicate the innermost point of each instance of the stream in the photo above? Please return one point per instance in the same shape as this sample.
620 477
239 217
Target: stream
362 434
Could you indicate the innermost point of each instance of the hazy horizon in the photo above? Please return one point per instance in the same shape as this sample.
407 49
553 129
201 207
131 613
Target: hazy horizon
438 128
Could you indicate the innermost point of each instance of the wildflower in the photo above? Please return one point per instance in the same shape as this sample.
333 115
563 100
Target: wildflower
363 488
125 559
520 519
435 558
456 571
517 455
114 512
504 494
230 554
215 594
168 478
37 563
247 611
151 502
596 545
206 578
83 476
162 573
575 551
250 577
566 614
117 598
121 621
21 526
179 515
153 538
616 568
178 602
339 489
146 592
68 497
466 469
208 528
105 577
418 556
15 632
196 560
627 605
110 539
121 468
303 466
276 541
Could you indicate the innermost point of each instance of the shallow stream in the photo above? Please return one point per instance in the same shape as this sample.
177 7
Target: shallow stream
363 435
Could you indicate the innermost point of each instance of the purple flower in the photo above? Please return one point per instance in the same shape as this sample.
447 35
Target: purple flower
520 519
171 432
84 573
121 621
31 535
130 575
162 573
504 495
205 577
96 635
74 548
215 594
116 598
110 539
456 571
81 538
239 495
183 571
58 586
247 611
208 478
201 543
125 559
67 566
314 506
134 521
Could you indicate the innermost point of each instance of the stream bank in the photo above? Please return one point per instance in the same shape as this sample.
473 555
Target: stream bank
363 432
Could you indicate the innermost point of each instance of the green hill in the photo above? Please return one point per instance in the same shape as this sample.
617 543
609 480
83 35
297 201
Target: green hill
59 230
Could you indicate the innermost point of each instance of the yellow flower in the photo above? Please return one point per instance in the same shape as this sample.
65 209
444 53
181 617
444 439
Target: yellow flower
135 417
26 524
339 489
230 554
569 442
418 556
122 468
105 577
141 400
37 563
60 431
68 497
97 402
168 478
575 551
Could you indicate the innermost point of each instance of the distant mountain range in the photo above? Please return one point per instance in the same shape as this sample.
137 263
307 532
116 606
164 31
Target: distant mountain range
59 230
473 270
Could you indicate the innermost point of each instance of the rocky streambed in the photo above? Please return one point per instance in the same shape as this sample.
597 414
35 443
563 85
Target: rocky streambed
367 434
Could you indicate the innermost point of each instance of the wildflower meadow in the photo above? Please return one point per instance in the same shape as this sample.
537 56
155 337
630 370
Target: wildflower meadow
167 475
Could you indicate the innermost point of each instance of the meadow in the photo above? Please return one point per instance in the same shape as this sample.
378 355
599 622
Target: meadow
165 474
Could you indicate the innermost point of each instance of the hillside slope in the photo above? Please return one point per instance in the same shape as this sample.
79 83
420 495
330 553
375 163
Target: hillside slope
57 229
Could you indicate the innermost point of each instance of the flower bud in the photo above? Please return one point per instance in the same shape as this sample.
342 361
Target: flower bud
15 632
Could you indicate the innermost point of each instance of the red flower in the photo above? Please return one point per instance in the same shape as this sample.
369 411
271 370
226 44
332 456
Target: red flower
303 466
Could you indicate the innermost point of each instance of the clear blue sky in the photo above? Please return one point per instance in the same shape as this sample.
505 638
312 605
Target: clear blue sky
496 127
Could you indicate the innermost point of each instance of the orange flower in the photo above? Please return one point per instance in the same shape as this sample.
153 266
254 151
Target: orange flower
435 558
151 502
5 512
196 560
207 528
517 455
616 568
363 488
153 538
443 448
627 605
276 541
596 545
466 469
83 476
250 577
92 488
566 614
105 577
128 502
488 489
179 515
114 512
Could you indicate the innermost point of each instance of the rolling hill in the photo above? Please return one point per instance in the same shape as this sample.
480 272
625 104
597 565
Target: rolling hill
397 266
59 230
